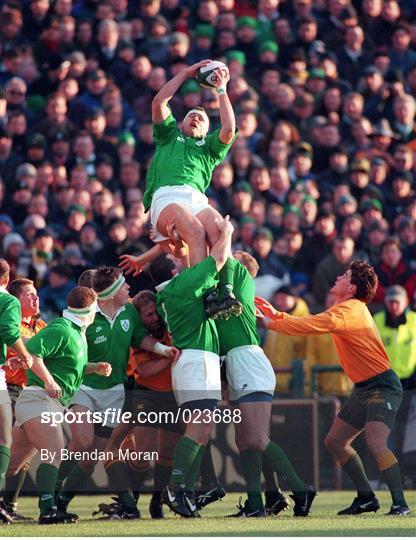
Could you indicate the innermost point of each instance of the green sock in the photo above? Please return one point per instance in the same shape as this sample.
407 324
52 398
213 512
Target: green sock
183 458
65 468
193 471
270 480
281 464
354 468
251 466
46 476
208 474
226 278
120 478
14 485
161 477
393 480
4 463
74 482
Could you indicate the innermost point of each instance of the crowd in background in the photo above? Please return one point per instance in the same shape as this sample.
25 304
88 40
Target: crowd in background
323 170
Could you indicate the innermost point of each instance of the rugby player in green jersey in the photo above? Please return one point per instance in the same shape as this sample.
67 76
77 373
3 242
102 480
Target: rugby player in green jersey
10 320
196 377
116 327
60 360
251 383
179 175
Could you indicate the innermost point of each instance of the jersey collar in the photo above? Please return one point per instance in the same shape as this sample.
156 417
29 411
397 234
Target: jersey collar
111 321
162 285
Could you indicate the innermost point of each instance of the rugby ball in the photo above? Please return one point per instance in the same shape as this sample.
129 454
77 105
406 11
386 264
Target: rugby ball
206 75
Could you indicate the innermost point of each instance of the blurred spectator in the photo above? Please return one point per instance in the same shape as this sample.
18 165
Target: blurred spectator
53 294
280 349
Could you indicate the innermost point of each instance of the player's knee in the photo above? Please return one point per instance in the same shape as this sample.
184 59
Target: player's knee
332 443
375 444
81 444
256 442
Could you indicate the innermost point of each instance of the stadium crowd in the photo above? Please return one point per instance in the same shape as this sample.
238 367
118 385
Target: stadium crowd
322 174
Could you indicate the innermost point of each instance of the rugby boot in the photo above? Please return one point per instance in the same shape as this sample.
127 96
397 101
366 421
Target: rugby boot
276 502
361 505
398 510
203 498
303 501
55 516
175 498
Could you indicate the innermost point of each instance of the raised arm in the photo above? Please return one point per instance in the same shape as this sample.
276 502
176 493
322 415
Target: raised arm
322 323
227 116
221 250
160 109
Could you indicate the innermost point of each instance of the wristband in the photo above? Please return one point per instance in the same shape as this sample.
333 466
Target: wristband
161 349
221 90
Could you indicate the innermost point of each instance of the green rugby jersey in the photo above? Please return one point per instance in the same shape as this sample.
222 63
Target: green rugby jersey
10 320
180 160
181 305
242 330
110 341
63 349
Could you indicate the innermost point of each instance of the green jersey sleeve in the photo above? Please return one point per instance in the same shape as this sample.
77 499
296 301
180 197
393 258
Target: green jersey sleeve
46 343
10 320
217 149
164 131
198 279
140 331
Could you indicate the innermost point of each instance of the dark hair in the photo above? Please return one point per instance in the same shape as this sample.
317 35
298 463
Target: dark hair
85 279
81 297
391 241
4 270
365 279
160 269
16 286
103 277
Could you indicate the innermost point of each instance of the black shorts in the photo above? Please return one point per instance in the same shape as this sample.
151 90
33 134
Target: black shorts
151 408
375 400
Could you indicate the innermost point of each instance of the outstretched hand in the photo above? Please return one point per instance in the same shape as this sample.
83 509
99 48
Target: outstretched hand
191 70
264 308
130 265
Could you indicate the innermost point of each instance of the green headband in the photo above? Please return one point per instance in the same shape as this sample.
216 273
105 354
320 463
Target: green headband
112 290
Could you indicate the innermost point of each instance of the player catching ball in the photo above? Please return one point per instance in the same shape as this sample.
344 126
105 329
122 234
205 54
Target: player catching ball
181 172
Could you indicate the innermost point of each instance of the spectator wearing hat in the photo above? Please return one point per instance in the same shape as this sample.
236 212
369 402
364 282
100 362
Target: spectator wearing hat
246 32
60 149
36 148
29 227
359 177
262 251
371 84
96 82
268 51
393 270
379 170
203 40
35 262
300 169
26 173
333 265
283 350
371 210
13 246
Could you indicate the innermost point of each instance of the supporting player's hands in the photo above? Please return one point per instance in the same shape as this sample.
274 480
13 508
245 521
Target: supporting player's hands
173 354
264 308
176 244
191 70
103 368
17 363
53 389
130 265
225 226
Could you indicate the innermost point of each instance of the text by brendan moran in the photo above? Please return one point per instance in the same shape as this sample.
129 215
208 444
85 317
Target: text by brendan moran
125 454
